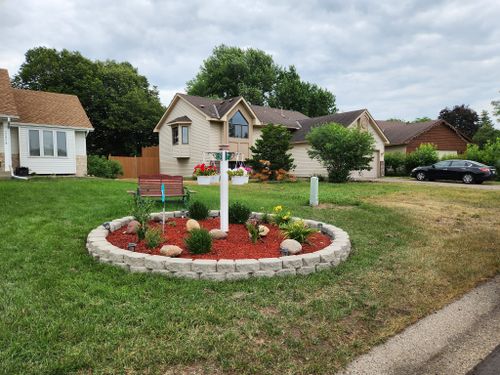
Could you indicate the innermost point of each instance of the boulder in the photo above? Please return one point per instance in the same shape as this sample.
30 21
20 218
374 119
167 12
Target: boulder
132 227
293 246
170 250
192 224
217 234
263 230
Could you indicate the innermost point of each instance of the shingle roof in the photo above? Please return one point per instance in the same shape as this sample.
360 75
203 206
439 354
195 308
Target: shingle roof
288 118
7 101
400 133
180 119
40 107
215 108
343 118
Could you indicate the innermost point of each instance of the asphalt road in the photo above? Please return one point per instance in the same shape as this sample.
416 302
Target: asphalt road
453 340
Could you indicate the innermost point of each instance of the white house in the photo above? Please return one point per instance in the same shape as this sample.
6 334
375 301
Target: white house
193 124
42 131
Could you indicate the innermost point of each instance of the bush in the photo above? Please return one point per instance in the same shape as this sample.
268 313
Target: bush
199 241
298 231
198 210
238 213
153 238
341 150
140 210
425 154
395 163
281 216
99 166
253 230
489 155
452 157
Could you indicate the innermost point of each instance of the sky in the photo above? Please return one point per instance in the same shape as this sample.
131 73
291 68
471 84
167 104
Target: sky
399 59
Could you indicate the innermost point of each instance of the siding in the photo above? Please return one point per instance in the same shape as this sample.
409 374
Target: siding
443 137
80 144
14 140
305 166
47 165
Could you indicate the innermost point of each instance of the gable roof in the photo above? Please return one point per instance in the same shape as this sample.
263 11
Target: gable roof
288 118
7 101
345 119
400 133
41 107
179 119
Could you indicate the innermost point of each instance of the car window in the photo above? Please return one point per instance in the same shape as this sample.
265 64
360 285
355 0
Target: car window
460 163
476 164
442 164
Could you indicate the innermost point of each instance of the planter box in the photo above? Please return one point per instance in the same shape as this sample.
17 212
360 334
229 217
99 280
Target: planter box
204 180
239 180
215 179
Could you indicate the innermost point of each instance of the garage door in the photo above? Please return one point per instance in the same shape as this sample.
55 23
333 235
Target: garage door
375 168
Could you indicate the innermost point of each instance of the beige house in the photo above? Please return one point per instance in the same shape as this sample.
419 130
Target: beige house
193 124
42 131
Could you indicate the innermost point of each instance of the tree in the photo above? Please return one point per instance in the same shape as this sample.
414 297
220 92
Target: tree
486 132
422 119
233 71
341 150
425 154
462 118
120 103
496 109
272 146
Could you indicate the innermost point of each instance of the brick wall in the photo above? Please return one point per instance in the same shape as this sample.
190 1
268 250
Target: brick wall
81 165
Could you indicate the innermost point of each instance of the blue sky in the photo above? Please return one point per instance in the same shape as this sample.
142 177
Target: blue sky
403 59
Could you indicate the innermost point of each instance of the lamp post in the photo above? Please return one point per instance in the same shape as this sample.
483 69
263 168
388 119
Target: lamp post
224 188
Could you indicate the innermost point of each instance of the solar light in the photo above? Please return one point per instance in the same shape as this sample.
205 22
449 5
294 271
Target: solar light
107 226
184 213
131 246
284 252
320 227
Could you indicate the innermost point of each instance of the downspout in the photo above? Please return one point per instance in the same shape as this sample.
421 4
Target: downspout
10 166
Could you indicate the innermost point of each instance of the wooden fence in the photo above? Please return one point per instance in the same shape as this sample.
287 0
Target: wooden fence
134 166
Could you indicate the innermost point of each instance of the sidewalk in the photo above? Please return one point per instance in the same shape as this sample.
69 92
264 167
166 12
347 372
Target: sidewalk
451 341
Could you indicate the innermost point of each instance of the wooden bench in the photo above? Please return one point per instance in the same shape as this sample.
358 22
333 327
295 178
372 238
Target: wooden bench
150 186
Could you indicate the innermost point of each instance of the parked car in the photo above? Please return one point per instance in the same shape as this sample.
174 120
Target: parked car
465 170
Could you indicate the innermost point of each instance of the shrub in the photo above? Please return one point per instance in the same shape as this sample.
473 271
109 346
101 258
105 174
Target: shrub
297 230
153 237
395 163
425 154
489 155
253 230
451 156
199 241
198 210
341 150
140 210
238 213
281 216
99 166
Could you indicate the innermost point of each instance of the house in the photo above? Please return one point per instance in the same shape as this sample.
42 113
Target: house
193 124
42 131
407 138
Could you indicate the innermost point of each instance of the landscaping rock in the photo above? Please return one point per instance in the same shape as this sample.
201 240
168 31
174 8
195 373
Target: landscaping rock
133 227
192 224
217 234
170 250
293 246
263 230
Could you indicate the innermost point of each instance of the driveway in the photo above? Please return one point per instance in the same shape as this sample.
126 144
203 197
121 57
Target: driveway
453 184
462 338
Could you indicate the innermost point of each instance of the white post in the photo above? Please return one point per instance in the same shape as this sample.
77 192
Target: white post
313 196
7 146
224 192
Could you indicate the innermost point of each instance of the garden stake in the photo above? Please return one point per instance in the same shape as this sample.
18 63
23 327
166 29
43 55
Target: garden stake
163 201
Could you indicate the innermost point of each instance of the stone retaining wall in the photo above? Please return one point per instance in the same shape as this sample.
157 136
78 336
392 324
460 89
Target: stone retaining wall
223 269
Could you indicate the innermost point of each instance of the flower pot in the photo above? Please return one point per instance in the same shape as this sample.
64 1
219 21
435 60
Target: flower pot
239 180
215 179
204 180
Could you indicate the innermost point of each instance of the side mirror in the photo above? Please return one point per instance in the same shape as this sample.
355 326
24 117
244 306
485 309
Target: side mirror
433 165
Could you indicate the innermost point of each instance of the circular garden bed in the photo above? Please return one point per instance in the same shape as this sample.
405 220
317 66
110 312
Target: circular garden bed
234 257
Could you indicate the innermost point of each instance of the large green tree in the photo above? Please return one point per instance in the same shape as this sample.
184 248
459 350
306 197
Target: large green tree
486 132
462 118
120 103
233 71
341 150
496 109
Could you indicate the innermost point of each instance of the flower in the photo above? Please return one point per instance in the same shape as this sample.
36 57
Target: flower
278 209
204 170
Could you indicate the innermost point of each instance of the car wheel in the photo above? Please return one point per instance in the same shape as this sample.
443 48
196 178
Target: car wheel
468 178
420 176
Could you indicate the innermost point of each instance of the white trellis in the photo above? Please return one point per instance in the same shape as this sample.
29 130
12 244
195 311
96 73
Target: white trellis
223 156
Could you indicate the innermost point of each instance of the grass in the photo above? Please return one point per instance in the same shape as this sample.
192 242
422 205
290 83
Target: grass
416 249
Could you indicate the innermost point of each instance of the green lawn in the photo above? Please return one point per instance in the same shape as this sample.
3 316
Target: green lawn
416 248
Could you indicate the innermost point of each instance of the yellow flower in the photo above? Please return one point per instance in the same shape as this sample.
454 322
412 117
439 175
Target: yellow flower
278 208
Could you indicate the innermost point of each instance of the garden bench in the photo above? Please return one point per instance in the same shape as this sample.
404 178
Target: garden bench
150 186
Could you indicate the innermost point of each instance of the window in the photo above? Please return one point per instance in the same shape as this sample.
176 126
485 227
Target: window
34 141
175 135
442 164
185 135
459 164
61 144
238 126
48 143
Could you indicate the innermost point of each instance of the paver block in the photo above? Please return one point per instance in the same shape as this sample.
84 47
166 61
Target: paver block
291 261
178 264
121 265
134 259
286 272
323 266
162 272
155 262
116 255
237 275
247 265
326 255
310 259
217 276
305 270
336 262
204 265
214 213
187 275
138 269
225 265
266 273
270 264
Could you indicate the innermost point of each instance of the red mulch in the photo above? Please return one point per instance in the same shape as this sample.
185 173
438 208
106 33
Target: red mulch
237 245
